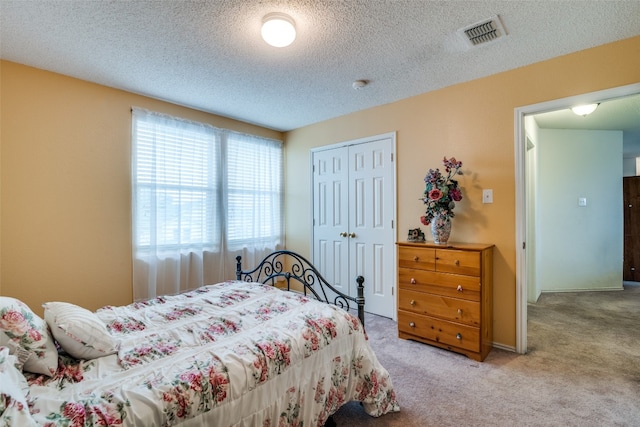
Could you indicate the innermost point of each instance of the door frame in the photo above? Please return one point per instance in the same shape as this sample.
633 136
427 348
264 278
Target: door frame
363 140
522 220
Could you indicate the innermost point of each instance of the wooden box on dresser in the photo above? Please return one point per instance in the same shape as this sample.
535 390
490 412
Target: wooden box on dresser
445 296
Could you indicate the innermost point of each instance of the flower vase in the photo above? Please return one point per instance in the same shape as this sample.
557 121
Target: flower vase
441 229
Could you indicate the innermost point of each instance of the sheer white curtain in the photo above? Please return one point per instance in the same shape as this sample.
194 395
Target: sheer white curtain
200 196
254 197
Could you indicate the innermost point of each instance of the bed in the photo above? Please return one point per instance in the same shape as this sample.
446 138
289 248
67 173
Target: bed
278 346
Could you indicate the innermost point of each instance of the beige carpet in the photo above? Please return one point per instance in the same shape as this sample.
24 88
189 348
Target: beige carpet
582 369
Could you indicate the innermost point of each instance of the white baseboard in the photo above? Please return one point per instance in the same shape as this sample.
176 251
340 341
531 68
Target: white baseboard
552 291
504 347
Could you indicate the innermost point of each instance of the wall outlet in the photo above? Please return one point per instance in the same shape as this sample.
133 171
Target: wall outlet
487 196
582 201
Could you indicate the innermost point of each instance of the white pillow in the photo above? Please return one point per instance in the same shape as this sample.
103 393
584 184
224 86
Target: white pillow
78 331
22 329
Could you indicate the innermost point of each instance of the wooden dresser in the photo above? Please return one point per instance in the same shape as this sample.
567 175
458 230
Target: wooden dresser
445 296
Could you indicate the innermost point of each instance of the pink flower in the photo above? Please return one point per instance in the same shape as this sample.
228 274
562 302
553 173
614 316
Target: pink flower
72 372
268 350
75 413
219 383
102 417
424 220
173 315
435 194
143 351
194 379
261 365
14 321
231 325
183 404
35 335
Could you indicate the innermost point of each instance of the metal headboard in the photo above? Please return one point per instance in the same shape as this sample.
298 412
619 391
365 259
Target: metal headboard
288 266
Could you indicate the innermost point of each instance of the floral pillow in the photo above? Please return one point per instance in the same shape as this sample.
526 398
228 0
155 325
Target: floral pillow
78 331
14 410
25 332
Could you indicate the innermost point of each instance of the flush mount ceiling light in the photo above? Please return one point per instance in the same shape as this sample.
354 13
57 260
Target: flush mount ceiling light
278 29
584 110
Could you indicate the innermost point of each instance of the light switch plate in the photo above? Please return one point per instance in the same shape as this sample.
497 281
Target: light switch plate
487 196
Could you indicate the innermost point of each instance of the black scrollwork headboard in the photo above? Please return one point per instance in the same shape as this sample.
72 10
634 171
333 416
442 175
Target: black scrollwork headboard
289 266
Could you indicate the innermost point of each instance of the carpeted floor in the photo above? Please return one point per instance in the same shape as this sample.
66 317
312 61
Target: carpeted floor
582 369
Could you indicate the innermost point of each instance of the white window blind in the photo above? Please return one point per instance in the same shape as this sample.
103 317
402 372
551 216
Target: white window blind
254 179
201 196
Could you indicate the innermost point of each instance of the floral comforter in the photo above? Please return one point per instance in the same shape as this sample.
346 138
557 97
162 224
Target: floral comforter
230 354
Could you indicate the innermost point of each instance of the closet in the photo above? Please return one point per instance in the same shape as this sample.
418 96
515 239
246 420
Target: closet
354 218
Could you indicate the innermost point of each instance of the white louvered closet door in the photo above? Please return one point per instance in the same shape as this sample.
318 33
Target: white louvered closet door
354 216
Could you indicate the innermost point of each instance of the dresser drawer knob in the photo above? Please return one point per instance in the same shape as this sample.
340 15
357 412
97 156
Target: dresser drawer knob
413 281
412 302
416 258
459 288
412 324
457 262
459 311
459 336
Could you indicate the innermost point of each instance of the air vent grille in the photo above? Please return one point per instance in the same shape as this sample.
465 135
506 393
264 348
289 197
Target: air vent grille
483 32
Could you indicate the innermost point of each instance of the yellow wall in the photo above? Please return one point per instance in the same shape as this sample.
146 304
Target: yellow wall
65 149
65 159
474 122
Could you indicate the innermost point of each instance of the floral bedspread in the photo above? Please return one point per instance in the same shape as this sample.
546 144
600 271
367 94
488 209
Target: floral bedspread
230 354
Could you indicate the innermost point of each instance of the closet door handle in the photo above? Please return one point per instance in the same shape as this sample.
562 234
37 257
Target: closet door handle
352 235
343 234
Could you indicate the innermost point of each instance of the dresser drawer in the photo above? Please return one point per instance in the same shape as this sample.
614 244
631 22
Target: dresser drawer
440 331
457 310
458 262
417 257
450 285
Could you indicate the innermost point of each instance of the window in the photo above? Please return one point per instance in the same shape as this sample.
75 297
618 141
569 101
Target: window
199 191
254 191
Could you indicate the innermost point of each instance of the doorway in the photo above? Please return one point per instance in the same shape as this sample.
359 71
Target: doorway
525 262
631 195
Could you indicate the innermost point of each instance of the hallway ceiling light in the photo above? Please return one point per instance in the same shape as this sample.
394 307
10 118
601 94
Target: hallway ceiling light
278 29
584 110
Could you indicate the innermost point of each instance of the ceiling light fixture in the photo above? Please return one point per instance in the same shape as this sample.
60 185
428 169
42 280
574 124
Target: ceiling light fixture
584 110
278 29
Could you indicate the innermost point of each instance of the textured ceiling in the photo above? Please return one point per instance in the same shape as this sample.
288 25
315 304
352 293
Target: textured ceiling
209 55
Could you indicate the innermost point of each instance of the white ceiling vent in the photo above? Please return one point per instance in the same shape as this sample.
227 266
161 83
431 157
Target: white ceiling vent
483 32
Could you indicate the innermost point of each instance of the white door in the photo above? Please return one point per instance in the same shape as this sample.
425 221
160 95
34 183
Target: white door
354 216
330 217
